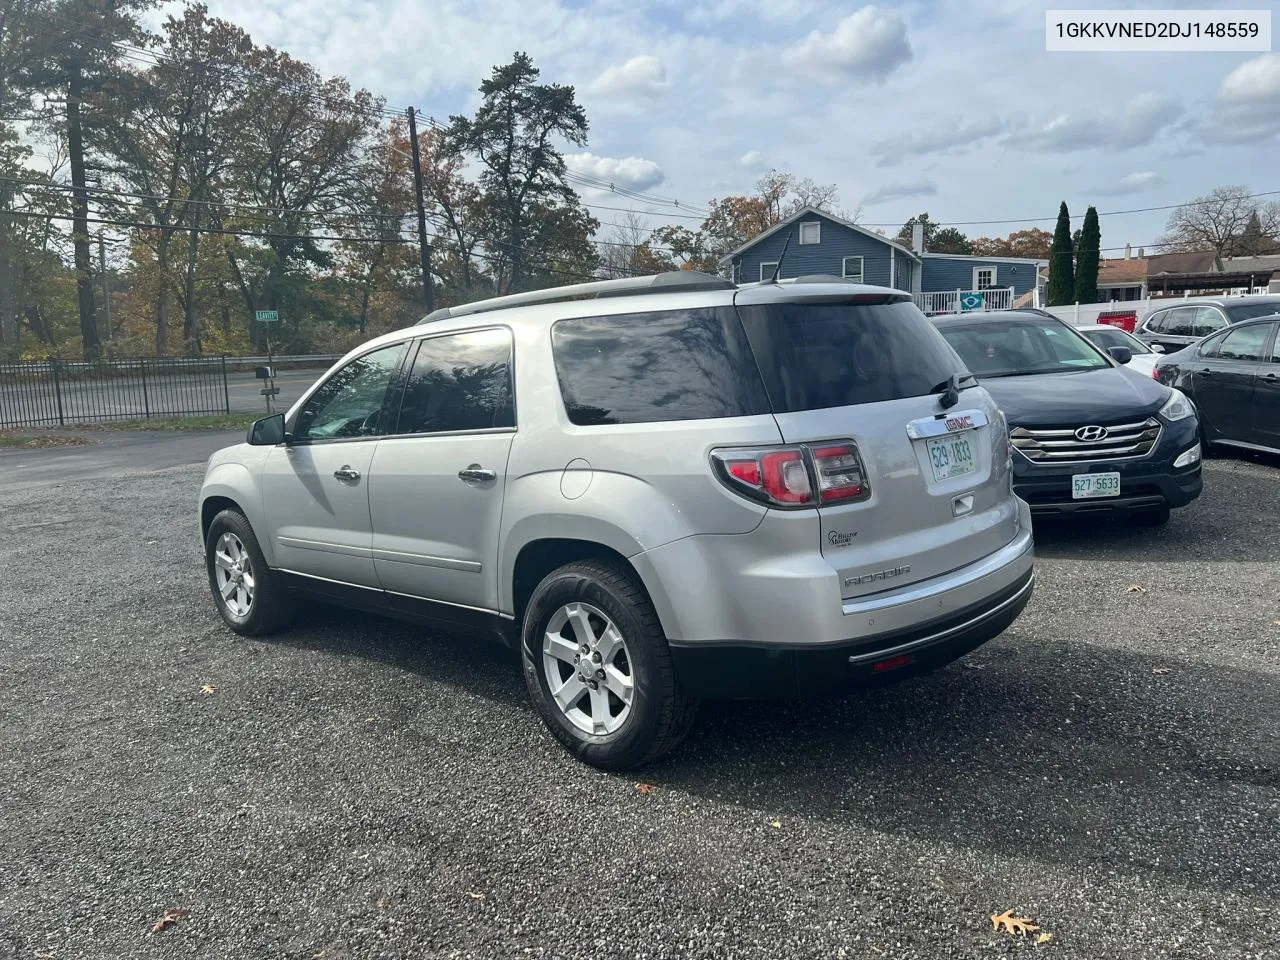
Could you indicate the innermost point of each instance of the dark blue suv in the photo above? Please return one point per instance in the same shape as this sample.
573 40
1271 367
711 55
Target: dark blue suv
1085 433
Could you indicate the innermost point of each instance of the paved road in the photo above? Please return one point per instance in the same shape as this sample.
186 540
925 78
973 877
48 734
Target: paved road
357 788
109 455
89 400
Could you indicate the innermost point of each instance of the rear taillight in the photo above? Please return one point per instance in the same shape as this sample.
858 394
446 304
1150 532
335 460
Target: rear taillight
802 475
1155 373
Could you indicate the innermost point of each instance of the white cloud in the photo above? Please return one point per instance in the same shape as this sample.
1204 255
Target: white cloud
1138 124
1254 82
640 77
901 191
868 44
1248 104
944 135
631 173
1133 183
753 160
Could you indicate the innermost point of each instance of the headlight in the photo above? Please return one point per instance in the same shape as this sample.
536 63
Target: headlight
1188 457
1178 407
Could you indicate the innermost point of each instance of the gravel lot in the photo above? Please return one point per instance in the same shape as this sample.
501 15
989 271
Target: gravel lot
1110 767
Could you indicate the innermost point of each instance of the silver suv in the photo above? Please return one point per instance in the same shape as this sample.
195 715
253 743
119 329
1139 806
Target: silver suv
659 490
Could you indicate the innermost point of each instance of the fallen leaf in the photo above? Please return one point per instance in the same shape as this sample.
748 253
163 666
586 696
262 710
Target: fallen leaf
208 689
776 824
1044 938
475 896
645 788
1161 671
1019 926
169 919
1136 588
1276 622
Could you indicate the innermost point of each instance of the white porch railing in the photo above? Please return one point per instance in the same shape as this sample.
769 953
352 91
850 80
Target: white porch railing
961 301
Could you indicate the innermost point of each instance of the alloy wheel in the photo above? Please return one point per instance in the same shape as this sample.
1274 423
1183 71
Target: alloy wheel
588 668
234 575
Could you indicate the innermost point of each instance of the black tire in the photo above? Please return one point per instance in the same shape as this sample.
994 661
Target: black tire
1152 518
271 607
662 711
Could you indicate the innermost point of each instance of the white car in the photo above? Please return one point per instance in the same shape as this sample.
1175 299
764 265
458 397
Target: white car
1105 336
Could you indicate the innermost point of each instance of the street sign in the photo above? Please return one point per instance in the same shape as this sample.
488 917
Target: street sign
270 391
267 316
972 301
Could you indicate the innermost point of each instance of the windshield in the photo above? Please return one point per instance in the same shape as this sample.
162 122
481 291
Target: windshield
1253 310
1022 345
816 355
1115 337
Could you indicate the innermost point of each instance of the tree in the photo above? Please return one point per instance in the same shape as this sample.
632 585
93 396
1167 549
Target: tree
1212 222
81 54
456 205
1088 250
513 135
950 240
1062 281
1252 242
930 229
165 135
1033 244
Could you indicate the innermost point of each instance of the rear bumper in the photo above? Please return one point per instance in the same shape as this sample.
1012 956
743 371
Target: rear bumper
737 670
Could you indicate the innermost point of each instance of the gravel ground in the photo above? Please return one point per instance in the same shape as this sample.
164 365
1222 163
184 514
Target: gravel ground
1109 767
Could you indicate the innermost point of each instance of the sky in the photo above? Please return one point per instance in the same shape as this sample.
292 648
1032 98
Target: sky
954 108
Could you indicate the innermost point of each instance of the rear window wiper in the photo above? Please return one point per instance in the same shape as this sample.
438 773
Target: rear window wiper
950 388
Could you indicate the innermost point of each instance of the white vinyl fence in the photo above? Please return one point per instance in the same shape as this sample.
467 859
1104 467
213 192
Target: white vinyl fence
959 301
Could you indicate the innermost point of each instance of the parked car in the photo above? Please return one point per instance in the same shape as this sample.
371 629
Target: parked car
659 489
1234 380
1086 435
1184 322
1105 336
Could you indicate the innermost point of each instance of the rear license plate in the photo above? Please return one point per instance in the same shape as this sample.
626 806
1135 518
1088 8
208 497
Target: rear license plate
1088 486
951 456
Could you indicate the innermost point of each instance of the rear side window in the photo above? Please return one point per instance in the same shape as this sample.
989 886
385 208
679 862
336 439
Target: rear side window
1248 343
654 367
1180 322
1208 320
1155 322
816 355
459 382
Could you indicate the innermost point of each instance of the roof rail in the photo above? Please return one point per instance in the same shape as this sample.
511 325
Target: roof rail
674 281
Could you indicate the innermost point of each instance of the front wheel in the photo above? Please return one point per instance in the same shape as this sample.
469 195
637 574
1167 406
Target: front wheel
249 597
598 667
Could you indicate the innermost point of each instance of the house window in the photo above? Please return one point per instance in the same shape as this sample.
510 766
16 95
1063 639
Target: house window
984 278
853 269
811 232
766 270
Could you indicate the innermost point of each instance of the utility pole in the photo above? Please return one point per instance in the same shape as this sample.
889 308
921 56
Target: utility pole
106 290
423 244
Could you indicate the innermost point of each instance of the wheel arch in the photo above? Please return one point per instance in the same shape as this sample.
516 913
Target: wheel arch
230 486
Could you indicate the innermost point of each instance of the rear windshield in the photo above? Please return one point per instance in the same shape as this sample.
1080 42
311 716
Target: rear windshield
1106 339
816 355
652 367
1018 346
1250 311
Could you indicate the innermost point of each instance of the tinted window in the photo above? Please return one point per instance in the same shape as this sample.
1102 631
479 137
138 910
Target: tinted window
1248 343
831 355
353 402
1021 345
1180 322
1249 311
646 367
1106 339
459 382
1155 322
1208 320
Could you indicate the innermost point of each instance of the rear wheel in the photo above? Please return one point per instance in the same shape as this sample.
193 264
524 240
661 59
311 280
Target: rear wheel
248 595
598 667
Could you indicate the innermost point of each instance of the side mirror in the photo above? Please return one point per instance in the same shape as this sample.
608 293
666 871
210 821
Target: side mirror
266 432
1120 354
1156 348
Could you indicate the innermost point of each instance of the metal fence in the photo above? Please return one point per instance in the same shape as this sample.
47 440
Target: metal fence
62 392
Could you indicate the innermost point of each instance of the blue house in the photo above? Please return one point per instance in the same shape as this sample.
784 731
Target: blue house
940 282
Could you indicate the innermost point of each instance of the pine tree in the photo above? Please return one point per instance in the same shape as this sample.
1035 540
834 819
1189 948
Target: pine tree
1251 241
1087 252
1062 283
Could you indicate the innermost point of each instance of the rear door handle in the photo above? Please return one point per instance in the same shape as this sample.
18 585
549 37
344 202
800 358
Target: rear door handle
347 473
477 474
